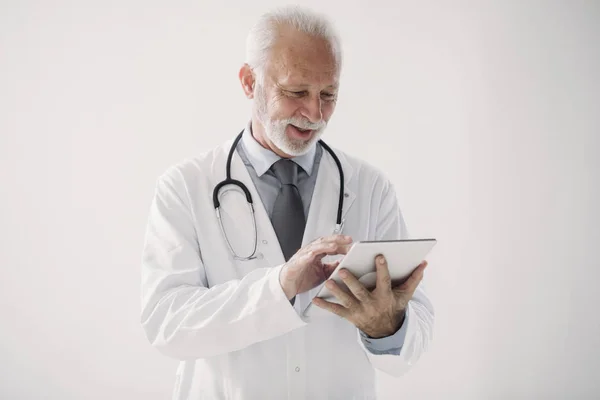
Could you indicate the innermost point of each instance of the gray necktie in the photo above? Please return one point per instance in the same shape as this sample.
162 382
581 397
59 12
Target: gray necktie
288 212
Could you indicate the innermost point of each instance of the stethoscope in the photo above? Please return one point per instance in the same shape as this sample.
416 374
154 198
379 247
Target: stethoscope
228 181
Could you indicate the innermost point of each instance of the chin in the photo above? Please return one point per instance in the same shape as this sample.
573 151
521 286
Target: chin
294 146
289 140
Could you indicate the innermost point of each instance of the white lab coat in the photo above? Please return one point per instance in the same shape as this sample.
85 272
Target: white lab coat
228 322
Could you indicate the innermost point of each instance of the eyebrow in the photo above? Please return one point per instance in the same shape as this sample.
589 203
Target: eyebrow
304 85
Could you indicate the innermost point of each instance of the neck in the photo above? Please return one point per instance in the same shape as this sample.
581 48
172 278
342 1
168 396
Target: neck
258 133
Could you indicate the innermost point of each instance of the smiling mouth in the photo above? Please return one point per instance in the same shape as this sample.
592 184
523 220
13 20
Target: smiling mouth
302 130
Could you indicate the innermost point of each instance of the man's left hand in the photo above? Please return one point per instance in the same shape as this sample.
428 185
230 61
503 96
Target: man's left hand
380 312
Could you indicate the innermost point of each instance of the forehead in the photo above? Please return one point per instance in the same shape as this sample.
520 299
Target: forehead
299 59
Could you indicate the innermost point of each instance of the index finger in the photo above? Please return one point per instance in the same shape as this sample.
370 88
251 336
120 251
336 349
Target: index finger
330 238
330 242
319 250
342 239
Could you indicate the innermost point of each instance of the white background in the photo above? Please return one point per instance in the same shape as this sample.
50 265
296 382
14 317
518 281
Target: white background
484 114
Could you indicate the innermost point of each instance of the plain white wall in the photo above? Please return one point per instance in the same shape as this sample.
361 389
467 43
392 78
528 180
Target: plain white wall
484 114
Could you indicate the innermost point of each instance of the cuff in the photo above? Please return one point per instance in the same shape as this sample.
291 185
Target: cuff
281 298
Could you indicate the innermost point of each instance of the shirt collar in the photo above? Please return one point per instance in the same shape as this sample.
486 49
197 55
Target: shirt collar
262 159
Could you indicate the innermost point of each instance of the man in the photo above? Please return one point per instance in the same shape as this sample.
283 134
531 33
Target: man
236 322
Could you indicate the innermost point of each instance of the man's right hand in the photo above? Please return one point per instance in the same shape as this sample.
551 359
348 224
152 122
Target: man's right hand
305 270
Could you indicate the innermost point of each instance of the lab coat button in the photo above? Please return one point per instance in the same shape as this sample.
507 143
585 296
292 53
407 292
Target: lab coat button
265 242
297 369
259 256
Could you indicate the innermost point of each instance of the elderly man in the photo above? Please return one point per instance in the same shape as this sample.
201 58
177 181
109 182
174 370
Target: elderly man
225 293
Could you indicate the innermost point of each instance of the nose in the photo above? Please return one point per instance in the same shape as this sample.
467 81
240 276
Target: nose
312 109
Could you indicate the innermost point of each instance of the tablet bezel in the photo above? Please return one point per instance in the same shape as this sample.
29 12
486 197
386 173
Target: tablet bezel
397 275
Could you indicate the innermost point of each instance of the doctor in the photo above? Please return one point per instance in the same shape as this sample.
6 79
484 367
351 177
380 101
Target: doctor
225 295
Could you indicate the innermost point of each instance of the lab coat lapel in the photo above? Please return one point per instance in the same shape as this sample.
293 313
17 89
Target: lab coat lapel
322 214
268 244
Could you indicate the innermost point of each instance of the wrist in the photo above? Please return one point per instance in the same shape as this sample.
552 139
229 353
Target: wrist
288 288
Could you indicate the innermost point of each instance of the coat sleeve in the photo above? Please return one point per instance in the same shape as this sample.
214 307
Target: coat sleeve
181 316
419 313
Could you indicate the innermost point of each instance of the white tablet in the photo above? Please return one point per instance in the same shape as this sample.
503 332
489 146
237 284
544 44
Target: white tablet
402 256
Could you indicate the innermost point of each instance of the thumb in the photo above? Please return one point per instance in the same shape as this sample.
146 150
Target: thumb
411 283
330 267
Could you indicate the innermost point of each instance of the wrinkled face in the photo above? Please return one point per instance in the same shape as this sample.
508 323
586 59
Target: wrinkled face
297 95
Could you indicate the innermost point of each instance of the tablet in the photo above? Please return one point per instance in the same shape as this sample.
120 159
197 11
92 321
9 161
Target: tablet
402 256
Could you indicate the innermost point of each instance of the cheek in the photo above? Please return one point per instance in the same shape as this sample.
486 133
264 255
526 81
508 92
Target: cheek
284 107
327 110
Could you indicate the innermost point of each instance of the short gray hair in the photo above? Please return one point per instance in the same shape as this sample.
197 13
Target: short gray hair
264 33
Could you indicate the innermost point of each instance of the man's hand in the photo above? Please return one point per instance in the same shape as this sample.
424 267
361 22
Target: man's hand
305 270
380 312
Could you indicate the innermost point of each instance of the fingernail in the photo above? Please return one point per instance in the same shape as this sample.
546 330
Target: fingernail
343 273
381 260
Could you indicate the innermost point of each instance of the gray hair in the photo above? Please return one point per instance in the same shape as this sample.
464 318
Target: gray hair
264 33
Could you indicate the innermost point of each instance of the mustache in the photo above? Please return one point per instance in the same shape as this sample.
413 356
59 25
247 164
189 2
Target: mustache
305 124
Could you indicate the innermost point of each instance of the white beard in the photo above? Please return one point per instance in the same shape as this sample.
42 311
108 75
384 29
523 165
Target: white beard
275 129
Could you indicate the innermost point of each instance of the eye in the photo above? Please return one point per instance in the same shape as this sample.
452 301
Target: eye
328 96
297 94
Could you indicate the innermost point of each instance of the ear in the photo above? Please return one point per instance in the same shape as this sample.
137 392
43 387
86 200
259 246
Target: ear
247 80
